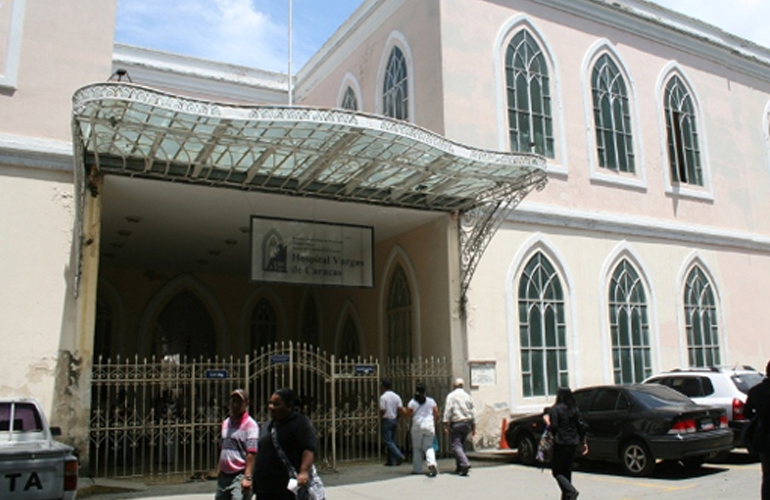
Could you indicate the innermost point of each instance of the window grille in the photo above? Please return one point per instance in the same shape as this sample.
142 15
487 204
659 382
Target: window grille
542 329
629 326
612 119
701 320
530 122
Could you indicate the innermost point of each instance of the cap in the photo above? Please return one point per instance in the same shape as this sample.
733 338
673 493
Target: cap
459 382
241 393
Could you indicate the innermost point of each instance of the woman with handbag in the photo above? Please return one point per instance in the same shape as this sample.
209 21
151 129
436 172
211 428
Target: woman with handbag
424 413
283 468
568 428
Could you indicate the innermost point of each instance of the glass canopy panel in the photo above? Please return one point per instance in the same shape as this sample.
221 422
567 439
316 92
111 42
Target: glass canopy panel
127 129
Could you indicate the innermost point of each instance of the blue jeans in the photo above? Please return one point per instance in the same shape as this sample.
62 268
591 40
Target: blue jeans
389 426
229 487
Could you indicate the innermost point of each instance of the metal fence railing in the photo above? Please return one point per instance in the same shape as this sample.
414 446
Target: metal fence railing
154 417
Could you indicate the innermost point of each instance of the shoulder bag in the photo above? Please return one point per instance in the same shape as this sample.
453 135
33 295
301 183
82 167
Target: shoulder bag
315 487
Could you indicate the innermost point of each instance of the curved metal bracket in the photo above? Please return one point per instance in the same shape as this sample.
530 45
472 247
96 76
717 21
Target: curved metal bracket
479 224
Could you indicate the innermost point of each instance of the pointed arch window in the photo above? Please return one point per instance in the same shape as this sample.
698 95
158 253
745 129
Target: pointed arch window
395 95
350 346
310 327
701 320
530 122
629 326
682 134
349 100
612 118
184 328
542 329
399 314
264 325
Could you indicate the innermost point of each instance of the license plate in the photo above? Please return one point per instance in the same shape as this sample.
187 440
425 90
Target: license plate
706 425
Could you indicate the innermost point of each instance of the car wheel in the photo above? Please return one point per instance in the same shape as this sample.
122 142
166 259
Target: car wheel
525 443
636 459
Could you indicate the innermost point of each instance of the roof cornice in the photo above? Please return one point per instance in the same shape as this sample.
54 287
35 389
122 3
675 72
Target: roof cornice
653 22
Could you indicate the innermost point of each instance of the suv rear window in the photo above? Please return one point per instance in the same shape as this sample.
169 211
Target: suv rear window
690 386
746 381
654 396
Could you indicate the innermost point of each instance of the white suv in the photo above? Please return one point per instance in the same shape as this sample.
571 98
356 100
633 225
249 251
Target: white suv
716 386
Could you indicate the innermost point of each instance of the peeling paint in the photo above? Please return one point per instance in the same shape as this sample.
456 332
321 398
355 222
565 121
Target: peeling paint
42 371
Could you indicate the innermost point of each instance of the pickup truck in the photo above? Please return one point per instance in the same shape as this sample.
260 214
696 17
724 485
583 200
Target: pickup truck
33 466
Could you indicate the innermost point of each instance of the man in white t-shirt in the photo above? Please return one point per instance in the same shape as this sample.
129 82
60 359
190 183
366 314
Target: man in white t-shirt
391 407
459 423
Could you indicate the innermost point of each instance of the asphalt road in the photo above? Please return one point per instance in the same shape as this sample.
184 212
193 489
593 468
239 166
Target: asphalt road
735 478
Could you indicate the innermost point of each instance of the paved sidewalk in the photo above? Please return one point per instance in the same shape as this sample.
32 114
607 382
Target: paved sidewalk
350 478
736 478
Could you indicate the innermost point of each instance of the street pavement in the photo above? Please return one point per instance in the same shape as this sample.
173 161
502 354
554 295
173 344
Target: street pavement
501 477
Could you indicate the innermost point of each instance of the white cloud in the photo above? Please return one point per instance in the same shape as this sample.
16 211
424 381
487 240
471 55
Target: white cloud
745 18
233 31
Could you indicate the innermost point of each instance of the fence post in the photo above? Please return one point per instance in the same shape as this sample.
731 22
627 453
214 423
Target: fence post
291 365
193 417
246 376
334 412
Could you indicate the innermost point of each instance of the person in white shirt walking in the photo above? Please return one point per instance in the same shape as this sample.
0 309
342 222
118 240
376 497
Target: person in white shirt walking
391 407
459 423
424 413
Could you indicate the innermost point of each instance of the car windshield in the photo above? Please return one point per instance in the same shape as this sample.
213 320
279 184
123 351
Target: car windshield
655 396
746 381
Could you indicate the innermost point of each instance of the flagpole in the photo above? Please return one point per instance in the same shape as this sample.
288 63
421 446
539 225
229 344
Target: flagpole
291 79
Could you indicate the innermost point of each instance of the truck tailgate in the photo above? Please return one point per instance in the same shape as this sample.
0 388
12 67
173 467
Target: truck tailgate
32 476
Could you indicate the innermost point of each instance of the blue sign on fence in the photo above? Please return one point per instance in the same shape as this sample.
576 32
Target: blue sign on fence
216 374
279 359
364 369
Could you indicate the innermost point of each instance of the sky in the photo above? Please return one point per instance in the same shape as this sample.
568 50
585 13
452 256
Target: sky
254 33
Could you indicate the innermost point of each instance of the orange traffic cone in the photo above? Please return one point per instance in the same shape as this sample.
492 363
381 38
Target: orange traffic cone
503 441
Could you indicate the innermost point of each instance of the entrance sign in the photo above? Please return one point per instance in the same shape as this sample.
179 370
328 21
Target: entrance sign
216 374
311 252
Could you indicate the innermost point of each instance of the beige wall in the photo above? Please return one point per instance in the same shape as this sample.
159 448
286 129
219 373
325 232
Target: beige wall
583 260
415 29
732 141
35 249
63 46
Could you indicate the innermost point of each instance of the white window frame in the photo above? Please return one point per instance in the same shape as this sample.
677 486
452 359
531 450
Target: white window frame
598 174
680 190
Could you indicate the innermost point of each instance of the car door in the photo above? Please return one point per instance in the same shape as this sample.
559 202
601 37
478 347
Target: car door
606 418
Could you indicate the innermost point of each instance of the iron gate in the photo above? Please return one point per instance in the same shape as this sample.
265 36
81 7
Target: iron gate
162 417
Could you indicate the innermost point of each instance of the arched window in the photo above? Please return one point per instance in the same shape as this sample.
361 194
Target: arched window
399 315
612 118
542 329
629 326
530 122
682 134
310 332
700 314
184 328
264 325
395 96
349 101
350 346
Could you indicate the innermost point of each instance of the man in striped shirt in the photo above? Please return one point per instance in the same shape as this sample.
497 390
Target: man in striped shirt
238 447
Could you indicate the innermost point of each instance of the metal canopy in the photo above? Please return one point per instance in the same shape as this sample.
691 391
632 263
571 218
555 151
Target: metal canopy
131 130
